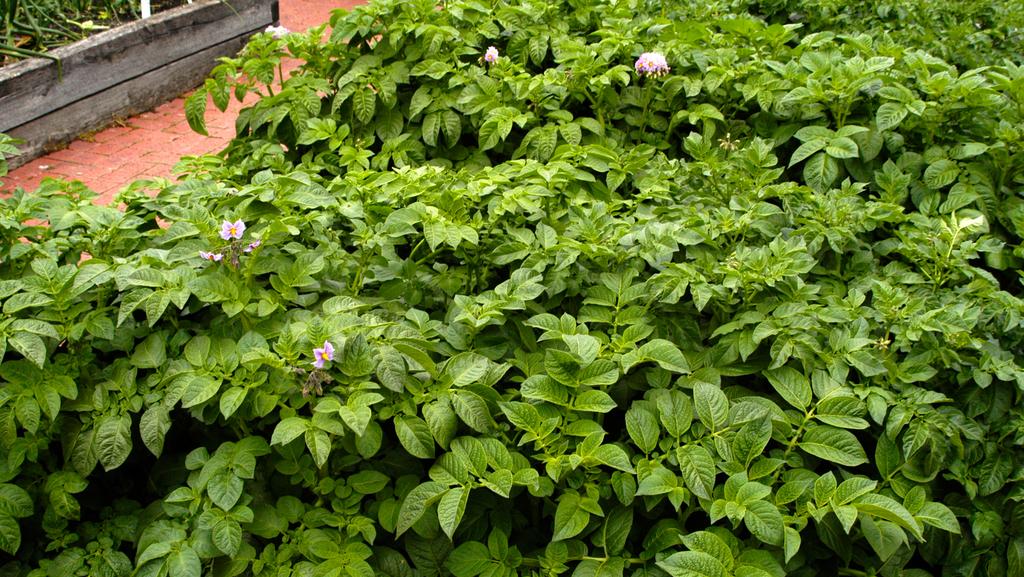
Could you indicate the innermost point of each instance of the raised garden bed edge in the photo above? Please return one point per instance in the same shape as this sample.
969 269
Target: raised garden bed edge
123 71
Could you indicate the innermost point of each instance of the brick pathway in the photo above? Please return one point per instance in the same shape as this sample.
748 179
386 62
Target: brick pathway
149 144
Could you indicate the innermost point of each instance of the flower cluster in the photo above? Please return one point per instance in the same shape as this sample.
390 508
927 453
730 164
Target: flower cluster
277 31
652 64
231 231
491 56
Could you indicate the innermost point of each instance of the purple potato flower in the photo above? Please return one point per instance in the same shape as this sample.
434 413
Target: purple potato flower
652 64
253 245
230 230
211 256
491 56
322 355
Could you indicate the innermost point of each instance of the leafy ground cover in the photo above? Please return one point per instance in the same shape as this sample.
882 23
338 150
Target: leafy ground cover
581 287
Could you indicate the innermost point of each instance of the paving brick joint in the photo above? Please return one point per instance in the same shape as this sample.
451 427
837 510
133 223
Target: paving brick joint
150 144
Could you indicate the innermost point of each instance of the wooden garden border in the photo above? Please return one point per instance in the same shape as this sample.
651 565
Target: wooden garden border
122 71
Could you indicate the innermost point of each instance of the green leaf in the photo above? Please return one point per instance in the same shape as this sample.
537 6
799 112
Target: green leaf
358 358
153 427
357 418
464 369
200 388
416 503
21 301
693 564
152 353
791 543
806 149
821 171
707 542
835 445
65 505
30 346
675 410
155 550
852 488
843 411
421 99
712 405
450 509
231 400
594 401
288 430
224 489
642 426
938 515
765 522
659 482
414 435
615 531
698 470
451 125
941 173
14 501
884 537
27 411
195 111
665 353
469 559
364 103
10 534
993 473
442 422
319 444
113 441
792 385
227 536
585 347
1015 558
472 409
368 482
613 456
751 440
889 115
570 518
883 507
842 147
185 563
431 128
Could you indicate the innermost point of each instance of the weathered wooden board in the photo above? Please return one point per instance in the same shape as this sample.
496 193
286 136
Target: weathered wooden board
128 98
140 65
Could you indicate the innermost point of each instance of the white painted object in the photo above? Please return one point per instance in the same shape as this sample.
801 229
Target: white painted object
146 11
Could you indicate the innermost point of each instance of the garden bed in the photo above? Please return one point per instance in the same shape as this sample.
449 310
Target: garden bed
122 71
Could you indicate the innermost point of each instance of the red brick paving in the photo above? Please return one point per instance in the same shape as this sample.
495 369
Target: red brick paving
150 144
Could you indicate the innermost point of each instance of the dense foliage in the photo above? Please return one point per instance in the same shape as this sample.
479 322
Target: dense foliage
968 34
445 311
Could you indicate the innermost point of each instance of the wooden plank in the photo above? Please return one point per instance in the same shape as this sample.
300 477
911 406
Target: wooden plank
31 89
134 96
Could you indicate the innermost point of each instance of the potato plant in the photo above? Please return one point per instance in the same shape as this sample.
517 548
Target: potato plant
589 288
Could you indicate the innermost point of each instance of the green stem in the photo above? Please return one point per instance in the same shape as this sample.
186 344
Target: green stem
793 442
647 107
